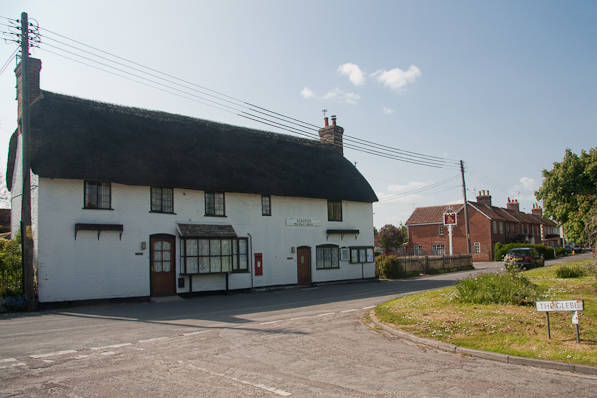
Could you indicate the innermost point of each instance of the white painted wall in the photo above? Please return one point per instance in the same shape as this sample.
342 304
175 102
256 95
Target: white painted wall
88 268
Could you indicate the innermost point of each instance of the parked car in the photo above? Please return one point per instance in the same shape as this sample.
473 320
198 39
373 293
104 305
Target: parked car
524 258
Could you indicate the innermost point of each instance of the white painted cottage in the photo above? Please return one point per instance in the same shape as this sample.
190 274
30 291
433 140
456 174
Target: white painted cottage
129 202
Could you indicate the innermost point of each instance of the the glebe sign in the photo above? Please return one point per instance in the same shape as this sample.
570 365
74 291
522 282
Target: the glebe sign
560 305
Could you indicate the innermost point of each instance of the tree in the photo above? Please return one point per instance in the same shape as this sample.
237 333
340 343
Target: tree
391 237
569 194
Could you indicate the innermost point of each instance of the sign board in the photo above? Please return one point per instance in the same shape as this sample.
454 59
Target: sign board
450 218
575 318
303 222
560 305
344 254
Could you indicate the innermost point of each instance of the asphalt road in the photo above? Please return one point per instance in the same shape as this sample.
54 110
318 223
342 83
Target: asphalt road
296 342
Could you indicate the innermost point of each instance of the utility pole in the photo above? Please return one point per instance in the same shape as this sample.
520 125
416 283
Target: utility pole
26 231
468 230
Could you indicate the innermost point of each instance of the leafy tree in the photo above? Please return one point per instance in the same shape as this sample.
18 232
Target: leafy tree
391 236
569 194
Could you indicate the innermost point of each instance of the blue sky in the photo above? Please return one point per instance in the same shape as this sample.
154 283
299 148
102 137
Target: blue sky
506 86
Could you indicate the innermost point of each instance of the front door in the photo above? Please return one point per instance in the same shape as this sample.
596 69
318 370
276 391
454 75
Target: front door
303 258
162 265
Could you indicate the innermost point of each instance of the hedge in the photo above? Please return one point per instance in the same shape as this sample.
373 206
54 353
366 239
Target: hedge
388 267
10 268
501 249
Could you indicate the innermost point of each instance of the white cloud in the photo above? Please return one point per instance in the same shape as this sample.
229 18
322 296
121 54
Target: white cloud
354 73
307 93
342 96
387 111
524 191
397 78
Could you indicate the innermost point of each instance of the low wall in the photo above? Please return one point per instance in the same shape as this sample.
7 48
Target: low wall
394 267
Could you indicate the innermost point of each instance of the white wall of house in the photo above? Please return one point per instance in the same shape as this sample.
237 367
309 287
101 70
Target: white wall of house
91 268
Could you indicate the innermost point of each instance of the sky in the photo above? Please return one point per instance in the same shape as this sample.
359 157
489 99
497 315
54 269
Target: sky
505 86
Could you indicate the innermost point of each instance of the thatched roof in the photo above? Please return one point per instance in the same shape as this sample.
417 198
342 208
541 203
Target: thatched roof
75 138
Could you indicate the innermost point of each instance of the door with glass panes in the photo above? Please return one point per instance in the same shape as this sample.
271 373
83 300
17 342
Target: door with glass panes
162 266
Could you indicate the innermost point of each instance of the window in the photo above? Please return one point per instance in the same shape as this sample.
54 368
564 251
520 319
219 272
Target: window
477 247
494 226
508 227
438 249
97 195
214 204
208 256
266 205
441 230
334 210
361 255
162 200
327 257
501 227
418 250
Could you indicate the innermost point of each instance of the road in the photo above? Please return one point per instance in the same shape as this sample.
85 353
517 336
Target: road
300 342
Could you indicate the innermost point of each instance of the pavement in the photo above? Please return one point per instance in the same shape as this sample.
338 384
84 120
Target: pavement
300 342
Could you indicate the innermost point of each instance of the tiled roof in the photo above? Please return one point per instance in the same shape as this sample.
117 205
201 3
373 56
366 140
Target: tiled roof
431 214
434 214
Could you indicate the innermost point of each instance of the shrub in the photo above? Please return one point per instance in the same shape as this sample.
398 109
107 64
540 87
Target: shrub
500 250
507 288
560 251
388 267
10 268
566 271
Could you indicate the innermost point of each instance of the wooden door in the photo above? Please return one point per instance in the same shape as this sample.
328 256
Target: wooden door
162 266
303 259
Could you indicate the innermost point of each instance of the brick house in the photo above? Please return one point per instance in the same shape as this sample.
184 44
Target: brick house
488 224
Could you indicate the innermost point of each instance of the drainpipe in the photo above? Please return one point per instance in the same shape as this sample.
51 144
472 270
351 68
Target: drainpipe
251 257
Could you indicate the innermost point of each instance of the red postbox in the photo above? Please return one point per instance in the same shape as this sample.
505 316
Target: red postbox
258 264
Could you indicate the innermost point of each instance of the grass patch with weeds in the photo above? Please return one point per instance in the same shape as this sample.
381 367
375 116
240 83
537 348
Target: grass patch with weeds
506 328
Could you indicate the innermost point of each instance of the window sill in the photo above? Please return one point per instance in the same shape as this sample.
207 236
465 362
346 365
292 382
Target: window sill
334 220
214 215
266 215
326 269
97 208
162 212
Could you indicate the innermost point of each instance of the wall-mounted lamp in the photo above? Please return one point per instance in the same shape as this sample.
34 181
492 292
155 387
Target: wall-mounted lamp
292 249
143 245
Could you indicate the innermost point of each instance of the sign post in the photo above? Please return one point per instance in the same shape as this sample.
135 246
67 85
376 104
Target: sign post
450 221
562 305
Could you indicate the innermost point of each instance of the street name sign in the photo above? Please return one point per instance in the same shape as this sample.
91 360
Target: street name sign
560 305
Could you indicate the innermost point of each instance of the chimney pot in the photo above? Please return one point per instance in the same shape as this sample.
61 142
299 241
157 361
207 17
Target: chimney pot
326 122
333 120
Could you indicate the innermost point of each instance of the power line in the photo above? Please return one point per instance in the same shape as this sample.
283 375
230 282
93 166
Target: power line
10 58
354 143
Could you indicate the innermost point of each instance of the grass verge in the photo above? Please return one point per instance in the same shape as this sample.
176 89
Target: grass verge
505 328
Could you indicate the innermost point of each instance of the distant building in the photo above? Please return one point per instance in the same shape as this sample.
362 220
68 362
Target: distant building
489 224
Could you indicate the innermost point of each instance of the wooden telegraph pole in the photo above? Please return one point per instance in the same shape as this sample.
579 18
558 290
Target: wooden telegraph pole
26 231
468 230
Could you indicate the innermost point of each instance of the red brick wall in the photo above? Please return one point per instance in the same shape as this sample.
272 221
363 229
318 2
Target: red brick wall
480 226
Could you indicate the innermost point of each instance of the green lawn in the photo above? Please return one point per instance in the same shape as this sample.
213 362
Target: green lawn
506 329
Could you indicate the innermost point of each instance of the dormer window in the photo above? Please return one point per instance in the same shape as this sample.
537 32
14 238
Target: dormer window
162 200
334 210
214 204
97 195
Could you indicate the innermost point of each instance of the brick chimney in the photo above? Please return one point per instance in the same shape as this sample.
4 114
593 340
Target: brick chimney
537 210
513 205
332 135
484 197
34 90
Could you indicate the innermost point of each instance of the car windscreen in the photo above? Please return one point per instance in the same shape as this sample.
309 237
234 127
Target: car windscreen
520 252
